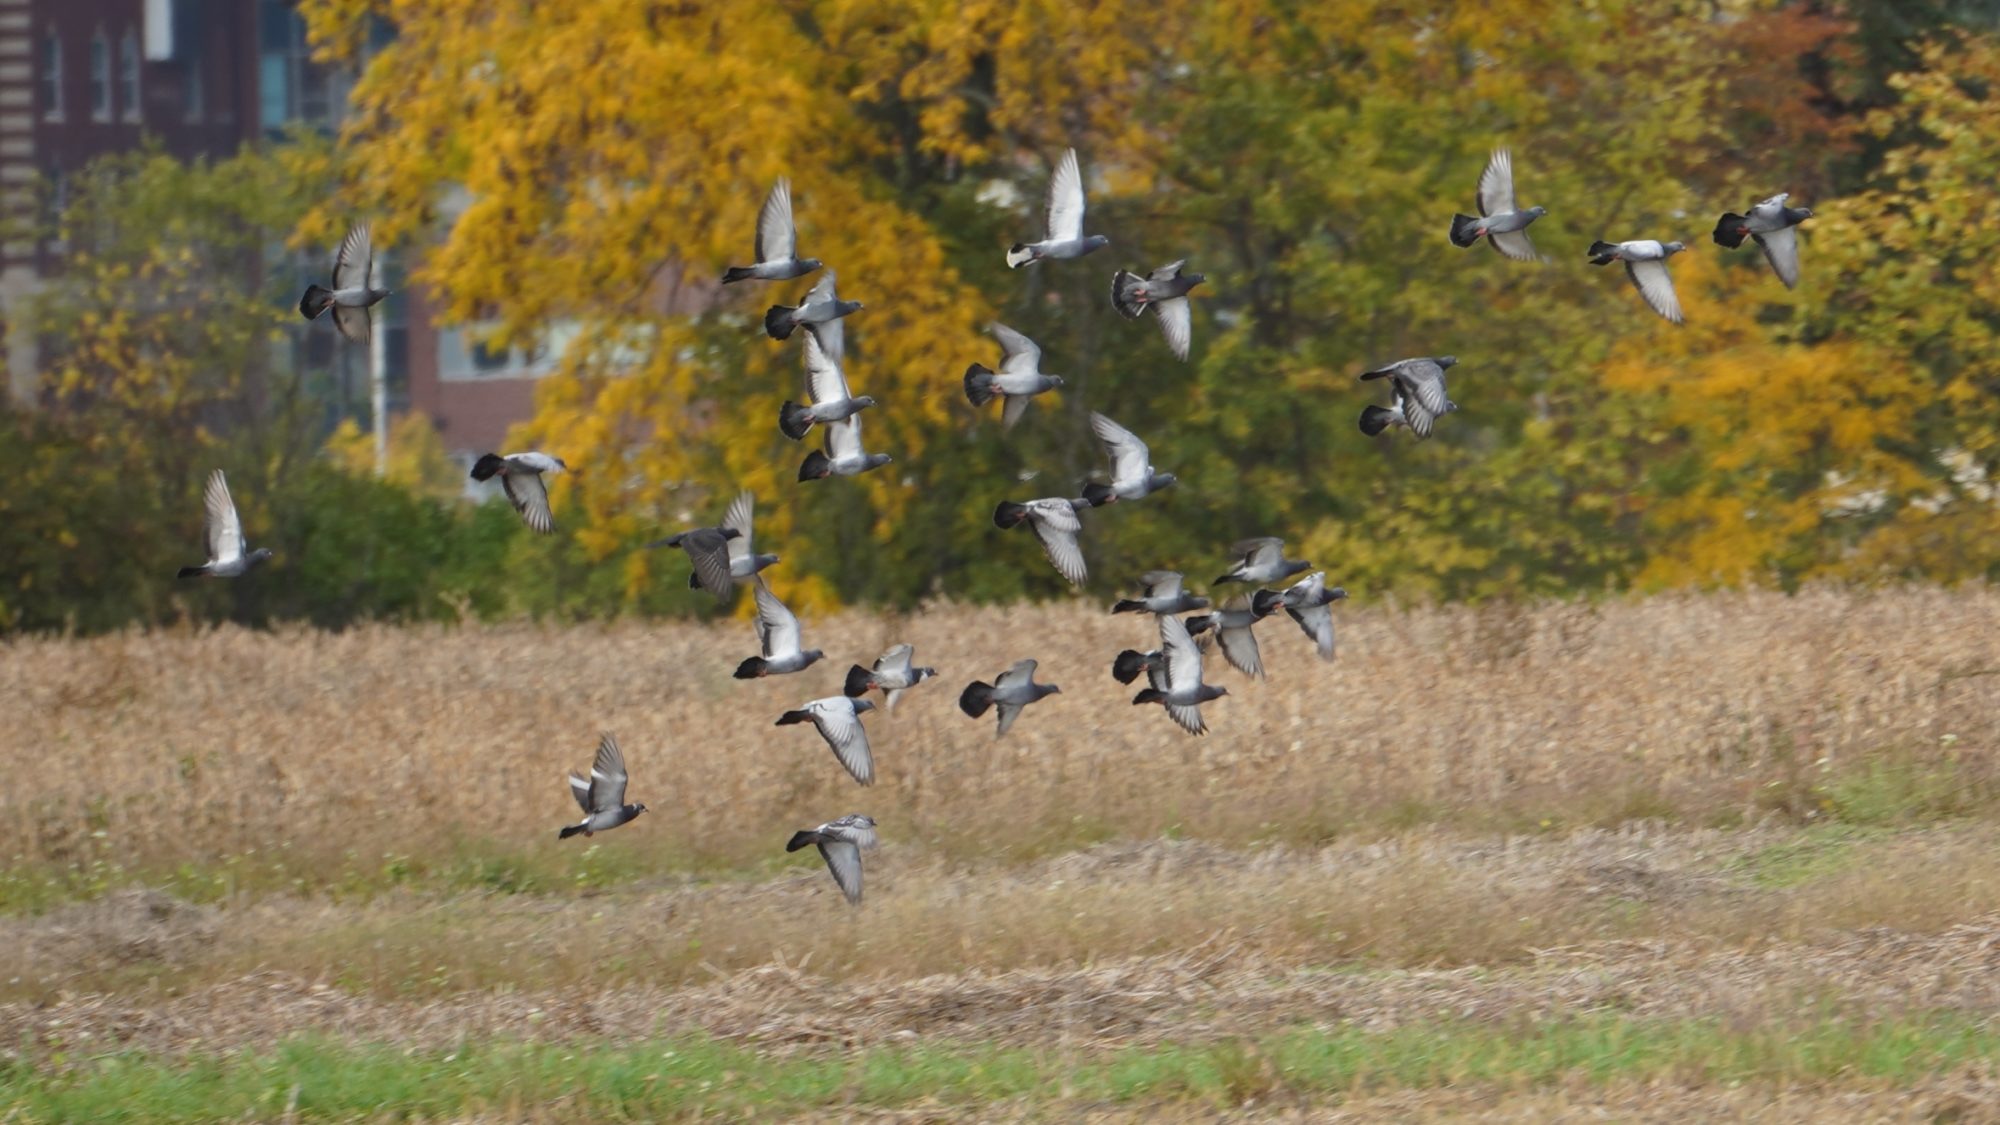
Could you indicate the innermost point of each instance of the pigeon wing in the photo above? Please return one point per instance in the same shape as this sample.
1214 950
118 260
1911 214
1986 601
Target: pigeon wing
1167 272
530 497
1056 526
607 777
1020 675
824 379
822 290
352 322
1317 622
1130 458
1012 409
352 261
1414 415
843 859
1496 184
896 661
1266 550
843 438
1423 379
1066 200
1176 319
1183 658
1781 249
579 787
1008 713
223 526
841 727
1656 285
777 625
1018 354
832 337
1514 244
776 237
709 553
1162 583
1239 647
740 515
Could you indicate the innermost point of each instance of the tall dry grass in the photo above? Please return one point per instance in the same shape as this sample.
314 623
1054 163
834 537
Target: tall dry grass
332 749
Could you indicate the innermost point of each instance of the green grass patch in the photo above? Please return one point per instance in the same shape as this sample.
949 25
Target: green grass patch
318 1079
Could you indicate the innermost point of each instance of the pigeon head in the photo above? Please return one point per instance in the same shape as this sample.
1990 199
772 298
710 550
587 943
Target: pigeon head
1338 594
259 555
1802 212
1447 361
810 264
730 532
919 675
1095 242
877 460
1674 247
842 308
638 808
1164 480
1193 279
1055 381
864 401
1537 212
861 705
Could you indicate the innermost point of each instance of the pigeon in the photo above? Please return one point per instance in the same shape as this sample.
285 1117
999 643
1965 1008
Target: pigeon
1056 525
743 561
777 242
602 794
843 456
1163 595
711 550
1012 690
1019 378
351 294
827 385
777 637
1164 291
1505 226
1066 238
1132 475
1419 395
1310 603
1770 223
820 306
1232 624
1128 664
1184 692
1646 264
838 720
1263 560
892 673
521 478
229 554
840 843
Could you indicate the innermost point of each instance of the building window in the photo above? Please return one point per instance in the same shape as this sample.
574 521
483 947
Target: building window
52 77
128 75
100 78
291 87
196 98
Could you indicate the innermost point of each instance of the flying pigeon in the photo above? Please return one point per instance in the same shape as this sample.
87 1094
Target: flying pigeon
521 478
1419 395
1056 525
351 295
892 673
1066 238
777 242
827 385
1310 603
1128 664
1163 595
1646 264
711 550
838 720
1232 625
1011 690
602 794
743 561
1262 561
840 843
1184 692
777 638
1020 377
229 554
1770 223
821 305
1164 291
1505 226
843 456
1132 475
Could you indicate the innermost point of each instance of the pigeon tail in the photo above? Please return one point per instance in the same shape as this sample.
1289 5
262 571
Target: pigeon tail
317 300
859 680
1602 253
1199 623
1020 255
1729 230
816 466
1462 233
569 831
1098 494
978 385
1127 605
791 718
778 321
193 571
737 273
487 465
794 420
802 839
1149 695
1125 294
976 698
1375 419
750 669
1128 665
1009 514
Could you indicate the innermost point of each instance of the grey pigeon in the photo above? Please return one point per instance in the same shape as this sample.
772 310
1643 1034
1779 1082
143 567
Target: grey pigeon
838 720
1419 395
777 639
843 456
1056 525
1164 291
1065 227
1232 626
521 479
840 843
1011 691
1132 475
351 294
1646 264
1501 220
1184 692
1310 603
602 795
826 384
1019 378
229 554
777 242
1260 561
743 560
1770 223
1163 595
1128 664
892 673
821 305
710 550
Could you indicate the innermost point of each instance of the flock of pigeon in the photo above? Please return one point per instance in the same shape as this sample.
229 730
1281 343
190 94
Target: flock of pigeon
723 556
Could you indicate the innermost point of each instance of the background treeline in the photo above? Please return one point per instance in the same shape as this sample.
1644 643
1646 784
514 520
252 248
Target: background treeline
1307 158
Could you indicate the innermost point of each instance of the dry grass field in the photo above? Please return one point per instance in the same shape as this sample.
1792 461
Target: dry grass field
1723 854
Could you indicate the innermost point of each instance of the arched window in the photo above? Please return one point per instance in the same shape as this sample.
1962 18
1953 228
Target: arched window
52 77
